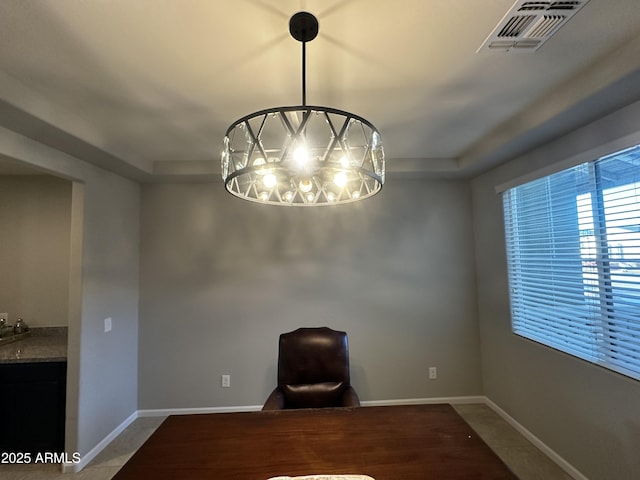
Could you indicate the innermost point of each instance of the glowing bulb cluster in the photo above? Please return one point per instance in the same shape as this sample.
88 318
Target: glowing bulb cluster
268 179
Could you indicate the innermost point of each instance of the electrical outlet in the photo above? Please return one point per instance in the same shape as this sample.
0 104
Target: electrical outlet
433 373
226 381
107 324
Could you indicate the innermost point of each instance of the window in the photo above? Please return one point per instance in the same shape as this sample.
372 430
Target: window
573 252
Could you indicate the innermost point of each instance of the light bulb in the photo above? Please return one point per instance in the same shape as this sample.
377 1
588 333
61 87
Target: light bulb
301 156
288 196
310 197
264 196
344 162
269 180
355 195
305 185
331 197
340 179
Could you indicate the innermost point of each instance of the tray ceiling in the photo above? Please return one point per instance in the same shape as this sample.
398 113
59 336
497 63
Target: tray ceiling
148 88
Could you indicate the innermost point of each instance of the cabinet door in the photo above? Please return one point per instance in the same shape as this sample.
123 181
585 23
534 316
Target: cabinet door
7 425
38 425
35 396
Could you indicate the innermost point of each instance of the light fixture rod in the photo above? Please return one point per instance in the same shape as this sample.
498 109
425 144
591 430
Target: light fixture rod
303 26
304 74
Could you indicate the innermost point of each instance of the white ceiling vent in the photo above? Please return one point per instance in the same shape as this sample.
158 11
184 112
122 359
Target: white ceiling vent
529 24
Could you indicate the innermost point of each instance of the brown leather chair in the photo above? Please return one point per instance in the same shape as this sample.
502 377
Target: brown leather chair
313 371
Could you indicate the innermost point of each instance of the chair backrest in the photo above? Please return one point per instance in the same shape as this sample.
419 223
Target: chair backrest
313 366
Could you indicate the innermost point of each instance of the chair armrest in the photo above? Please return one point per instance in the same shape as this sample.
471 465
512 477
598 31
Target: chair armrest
275 400
350 398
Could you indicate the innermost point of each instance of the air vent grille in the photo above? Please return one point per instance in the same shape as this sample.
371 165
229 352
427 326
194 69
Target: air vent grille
529 24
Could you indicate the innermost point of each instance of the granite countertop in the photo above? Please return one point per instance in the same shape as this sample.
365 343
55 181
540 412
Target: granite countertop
44 344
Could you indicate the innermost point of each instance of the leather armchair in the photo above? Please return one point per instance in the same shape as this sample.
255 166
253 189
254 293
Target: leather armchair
313 371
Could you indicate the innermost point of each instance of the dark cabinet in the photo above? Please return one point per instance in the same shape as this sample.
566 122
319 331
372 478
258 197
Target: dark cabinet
32 406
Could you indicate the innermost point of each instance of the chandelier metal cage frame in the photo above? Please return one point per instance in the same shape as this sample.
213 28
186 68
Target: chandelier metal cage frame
303 155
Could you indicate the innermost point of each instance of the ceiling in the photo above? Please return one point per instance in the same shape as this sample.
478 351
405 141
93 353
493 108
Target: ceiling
147 88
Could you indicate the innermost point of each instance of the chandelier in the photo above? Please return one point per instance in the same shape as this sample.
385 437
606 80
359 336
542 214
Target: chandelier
303 155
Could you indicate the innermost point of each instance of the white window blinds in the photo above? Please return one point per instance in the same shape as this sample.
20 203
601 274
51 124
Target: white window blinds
573 251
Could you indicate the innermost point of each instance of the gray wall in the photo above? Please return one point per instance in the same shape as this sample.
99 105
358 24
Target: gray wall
587 414
221 278
35 214
110 261
103 282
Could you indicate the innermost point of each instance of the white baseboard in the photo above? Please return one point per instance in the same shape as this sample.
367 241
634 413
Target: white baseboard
543 447
423 401
165 412
91 454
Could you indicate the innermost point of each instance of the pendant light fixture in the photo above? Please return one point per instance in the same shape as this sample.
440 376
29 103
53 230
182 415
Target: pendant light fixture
303 155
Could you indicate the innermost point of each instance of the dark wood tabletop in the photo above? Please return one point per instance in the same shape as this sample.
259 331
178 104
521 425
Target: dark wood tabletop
414 442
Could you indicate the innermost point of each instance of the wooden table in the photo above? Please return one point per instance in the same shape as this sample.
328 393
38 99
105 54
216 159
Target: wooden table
417 442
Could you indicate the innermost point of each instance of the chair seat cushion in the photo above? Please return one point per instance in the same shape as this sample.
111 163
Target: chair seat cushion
316 395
